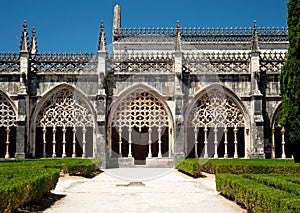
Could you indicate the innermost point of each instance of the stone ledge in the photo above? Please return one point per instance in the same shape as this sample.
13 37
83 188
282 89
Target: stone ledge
126 162
160 162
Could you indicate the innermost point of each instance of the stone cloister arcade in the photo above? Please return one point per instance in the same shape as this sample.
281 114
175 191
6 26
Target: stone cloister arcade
219 125
159 95
63 125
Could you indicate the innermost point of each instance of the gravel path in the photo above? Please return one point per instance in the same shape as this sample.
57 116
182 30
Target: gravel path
151 190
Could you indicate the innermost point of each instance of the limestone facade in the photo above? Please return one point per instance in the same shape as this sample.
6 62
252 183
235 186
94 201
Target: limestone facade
159 94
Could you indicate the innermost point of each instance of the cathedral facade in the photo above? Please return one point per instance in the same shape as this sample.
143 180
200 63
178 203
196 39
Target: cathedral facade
158 95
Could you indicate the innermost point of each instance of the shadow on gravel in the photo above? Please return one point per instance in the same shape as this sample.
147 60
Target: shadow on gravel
41 205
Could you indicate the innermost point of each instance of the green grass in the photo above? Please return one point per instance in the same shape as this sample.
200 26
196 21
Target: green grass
22 181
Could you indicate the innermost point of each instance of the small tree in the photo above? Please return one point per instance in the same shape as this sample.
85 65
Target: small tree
290 80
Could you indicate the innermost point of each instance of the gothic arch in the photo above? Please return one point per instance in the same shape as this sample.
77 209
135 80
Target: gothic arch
217 119
8 123
65 110
143 108
276 115
279 147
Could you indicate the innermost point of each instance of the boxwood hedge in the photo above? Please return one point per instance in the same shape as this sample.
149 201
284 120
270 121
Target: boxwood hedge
255 195
26 180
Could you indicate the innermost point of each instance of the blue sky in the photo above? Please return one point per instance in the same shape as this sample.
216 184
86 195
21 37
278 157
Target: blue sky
73 25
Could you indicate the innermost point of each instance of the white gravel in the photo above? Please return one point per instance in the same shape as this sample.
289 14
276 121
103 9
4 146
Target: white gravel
161 190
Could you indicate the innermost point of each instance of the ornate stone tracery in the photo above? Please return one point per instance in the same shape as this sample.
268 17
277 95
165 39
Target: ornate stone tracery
215 109
138 110
7 120
65 109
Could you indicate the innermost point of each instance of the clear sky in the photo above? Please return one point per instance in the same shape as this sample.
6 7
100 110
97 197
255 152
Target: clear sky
73 25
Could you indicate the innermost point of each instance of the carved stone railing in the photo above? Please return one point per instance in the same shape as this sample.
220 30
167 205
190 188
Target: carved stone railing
216 62
265 34
9 63
129 63
64 63
272 61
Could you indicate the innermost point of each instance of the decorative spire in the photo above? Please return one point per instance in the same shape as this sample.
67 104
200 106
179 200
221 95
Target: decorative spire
178 46
254 46
102 39
178 27
33 48
117 17
24 41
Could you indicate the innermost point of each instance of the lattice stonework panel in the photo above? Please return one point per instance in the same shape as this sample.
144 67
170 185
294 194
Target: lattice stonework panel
215 109
65 109
140 109
216 62
7 114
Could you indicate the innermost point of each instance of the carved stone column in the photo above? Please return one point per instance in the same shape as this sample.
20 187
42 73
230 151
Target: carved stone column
22 106
257 121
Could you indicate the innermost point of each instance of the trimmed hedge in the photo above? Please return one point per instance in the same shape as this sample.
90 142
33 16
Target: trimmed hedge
242 166
23 185
255 196
189 167
22 181
281 182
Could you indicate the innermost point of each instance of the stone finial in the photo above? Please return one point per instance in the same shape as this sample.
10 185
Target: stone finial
254 45
117 17
178 26
102 39
33 48
178 46
24 39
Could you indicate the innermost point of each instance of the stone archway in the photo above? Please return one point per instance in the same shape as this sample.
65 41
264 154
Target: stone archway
64 125
7 128
216 126
280 149
140 127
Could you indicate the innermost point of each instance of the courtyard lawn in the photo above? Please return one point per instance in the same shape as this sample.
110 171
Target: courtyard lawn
260 185
26 180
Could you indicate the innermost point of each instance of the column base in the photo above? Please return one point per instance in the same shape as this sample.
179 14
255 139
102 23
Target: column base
160 162
260 156
20 155
126 162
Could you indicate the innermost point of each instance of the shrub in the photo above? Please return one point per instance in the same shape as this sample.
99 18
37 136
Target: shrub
281 182
255 196
22 181
23 185
190 167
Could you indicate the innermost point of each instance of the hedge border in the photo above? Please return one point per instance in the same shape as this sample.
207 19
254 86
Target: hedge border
255 196
27 180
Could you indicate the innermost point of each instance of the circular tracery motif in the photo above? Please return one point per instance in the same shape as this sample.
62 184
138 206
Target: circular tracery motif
140 109
7 114
215 109
64 109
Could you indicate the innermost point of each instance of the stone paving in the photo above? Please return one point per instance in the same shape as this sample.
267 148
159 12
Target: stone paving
140 190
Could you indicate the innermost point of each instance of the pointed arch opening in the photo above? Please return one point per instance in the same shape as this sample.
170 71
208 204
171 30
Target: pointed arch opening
140 126
217 125
64 124
280 149
8 126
